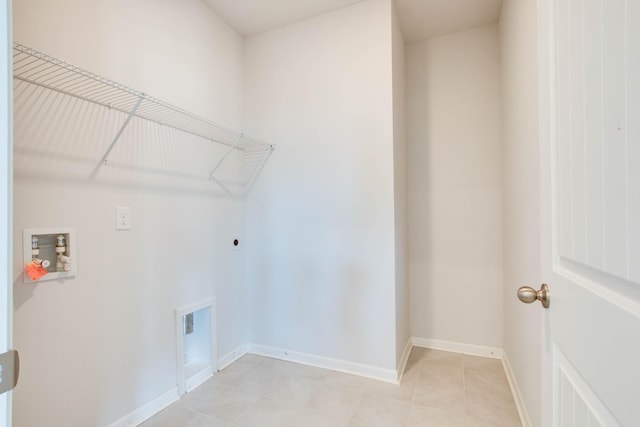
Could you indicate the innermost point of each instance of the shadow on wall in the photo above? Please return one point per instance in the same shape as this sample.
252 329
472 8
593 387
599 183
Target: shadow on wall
64 131
420 212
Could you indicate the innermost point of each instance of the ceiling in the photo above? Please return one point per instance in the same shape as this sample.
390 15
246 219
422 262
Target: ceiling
420 19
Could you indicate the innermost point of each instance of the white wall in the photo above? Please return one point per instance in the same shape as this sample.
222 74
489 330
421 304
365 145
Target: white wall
521 207
401 188
320 221
455 247
97 346
6 190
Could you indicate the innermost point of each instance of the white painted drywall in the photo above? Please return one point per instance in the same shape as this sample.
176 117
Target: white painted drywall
521 206
401 188
455 252
321 219
6 191
100 345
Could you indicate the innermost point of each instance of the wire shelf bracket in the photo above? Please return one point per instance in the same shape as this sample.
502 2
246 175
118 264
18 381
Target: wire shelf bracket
224 157
105 157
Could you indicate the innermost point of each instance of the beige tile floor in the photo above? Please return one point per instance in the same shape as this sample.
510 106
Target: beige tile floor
438 389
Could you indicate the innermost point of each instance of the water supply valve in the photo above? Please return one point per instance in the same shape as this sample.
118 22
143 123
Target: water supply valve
49 254
64 261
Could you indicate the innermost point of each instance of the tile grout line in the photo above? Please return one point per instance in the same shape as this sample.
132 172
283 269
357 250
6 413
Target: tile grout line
280 373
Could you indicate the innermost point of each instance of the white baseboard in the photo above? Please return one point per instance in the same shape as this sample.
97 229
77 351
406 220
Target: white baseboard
148 410
456 347
515 390
402 363
387 375
232 356
197 379
476 350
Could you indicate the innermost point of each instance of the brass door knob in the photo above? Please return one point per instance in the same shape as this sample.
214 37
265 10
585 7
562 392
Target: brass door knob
528 295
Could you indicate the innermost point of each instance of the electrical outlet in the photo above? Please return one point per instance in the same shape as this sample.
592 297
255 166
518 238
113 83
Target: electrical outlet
123 218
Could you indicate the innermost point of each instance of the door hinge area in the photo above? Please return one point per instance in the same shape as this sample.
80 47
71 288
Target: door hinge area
9 370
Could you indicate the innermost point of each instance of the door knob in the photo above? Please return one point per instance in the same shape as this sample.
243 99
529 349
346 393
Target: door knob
528 295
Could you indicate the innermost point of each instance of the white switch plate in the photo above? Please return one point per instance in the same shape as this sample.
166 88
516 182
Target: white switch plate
123 218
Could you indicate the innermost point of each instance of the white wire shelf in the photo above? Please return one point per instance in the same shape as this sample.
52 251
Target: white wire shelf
34 67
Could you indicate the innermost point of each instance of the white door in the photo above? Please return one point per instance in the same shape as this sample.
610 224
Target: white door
590 122
6 84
